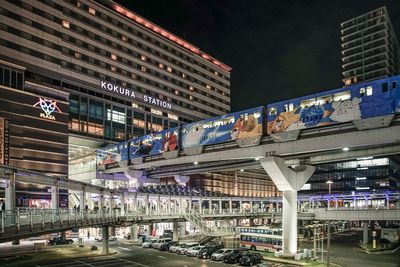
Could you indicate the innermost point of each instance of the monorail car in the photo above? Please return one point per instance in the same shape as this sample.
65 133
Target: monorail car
115 155
368 105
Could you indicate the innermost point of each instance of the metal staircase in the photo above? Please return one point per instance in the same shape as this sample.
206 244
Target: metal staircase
198 221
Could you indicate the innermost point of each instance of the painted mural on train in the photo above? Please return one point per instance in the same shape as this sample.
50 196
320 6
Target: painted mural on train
244 124
320 111
112 156
155 143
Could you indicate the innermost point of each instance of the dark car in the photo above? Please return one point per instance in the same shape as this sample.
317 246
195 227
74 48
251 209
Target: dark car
234 256
206 252
166 245
60 241
249 259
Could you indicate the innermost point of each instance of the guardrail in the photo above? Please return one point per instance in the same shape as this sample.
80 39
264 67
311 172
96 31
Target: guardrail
352 214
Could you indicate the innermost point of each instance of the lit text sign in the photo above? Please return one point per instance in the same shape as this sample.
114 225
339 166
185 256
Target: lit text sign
48 106
116 89
4 141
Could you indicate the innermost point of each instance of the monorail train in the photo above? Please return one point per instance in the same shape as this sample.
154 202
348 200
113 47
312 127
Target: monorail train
368 105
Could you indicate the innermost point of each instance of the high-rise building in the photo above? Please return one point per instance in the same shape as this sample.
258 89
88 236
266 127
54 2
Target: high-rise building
75 75
370 49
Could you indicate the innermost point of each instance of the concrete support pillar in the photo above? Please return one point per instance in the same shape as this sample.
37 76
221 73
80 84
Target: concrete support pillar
10 193
104 240
201 205
262 206
251 205
365 232
169 204
182 229
82 199
134 231
158 204
190 204
111 205
135 203
180 205
240 205
122 201
175 231
101 204
289 181
220 205
146 204
210 206
55 197
336 204
230 205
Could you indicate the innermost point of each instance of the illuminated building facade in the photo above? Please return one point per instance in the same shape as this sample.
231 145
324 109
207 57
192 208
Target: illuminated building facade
370 49
117 74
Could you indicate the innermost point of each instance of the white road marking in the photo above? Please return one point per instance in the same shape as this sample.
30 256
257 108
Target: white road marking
84 263
124 248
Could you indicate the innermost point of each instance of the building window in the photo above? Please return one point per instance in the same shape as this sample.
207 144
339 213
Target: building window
208 86
183 75
133 75
176 92
161 65
114 56
124 38
143 57
92 11
143 68
138 123
113 68
156 111
191 88
191 97
134 105
65 24
77 55
172 116
156 127
115 116
169 69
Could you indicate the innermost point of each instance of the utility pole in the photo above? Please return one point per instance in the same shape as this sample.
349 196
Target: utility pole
328 245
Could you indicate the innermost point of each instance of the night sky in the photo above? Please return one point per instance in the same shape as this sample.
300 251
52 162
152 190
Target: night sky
277 49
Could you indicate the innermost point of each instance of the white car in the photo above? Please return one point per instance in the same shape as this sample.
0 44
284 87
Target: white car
220 253
159 242
182 249
149 243
110 238
173 248
194 251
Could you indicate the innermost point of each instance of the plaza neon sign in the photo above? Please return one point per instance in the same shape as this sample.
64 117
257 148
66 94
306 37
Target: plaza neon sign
48 106
116 89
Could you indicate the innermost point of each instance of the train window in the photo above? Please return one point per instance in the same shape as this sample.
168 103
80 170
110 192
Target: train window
366 91
307 103
385 87
322 100
272 111
289 107
342 96
394 85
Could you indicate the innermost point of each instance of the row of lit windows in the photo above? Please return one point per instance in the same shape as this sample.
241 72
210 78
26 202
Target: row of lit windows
85 70
115 34
126 27
103 64
11 78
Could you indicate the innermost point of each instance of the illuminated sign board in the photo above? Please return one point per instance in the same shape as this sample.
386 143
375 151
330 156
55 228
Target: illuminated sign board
48 106
116 89
4 141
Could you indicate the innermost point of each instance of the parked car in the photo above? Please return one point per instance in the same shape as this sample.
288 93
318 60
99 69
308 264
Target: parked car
60 241
110 238
192 252
127 236
206 252
249 259
182 249
167 245
220 253
159 242
234 256
173 248
149 243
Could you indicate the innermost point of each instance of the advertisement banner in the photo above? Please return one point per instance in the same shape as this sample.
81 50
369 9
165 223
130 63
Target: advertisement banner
115 155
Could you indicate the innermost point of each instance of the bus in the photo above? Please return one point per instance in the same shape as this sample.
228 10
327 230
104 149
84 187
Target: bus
262 238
